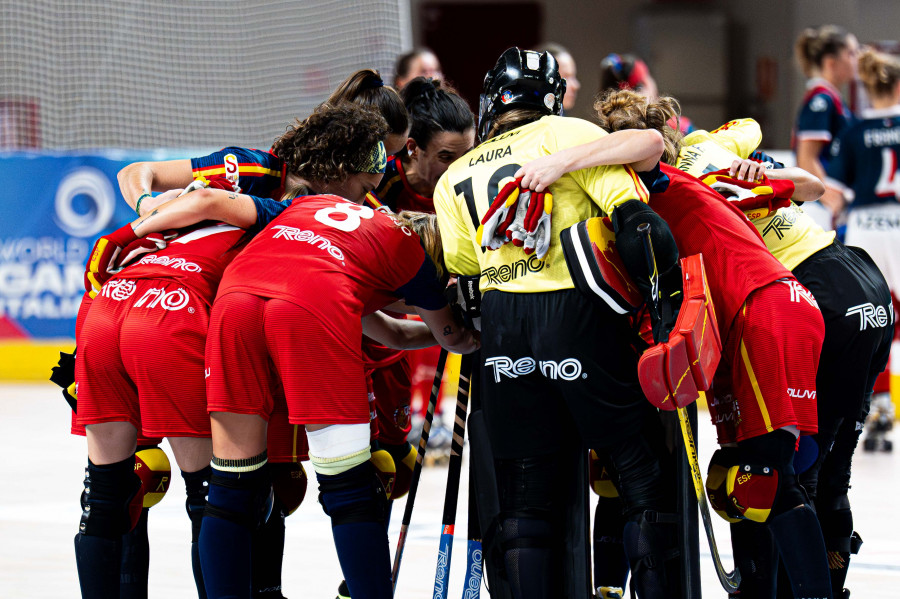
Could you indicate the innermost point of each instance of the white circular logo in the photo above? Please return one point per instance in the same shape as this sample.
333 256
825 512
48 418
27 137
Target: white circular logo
549 101
90 182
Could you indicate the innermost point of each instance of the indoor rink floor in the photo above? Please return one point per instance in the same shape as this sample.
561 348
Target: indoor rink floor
42 481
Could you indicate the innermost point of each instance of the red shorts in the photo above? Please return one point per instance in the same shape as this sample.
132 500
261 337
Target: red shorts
140 359
767 377
392 386
256 345
286 442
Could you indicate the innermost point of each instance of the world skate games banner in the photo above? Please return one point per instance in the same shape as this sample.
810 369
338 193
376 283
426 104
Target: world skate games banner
52 208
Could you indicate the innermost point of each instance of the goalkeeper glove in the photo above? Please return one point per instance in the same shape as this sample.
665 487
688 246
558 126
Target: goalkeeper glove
143 245
102 262
500 215
756 198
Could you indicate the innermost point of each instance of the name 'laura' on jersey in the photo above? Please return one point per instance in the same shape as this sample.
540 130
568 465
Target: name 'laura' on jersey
465 192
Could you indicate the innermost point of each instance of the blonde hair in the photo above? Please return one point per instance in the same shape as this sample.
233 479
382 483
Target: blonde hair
627 109
425 226
814 44
879 72
513 119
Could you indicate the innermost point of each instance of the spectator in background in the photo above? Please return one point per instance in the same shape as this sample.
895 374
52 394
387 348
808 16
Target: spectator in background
567 71
419 62
827 56
627 71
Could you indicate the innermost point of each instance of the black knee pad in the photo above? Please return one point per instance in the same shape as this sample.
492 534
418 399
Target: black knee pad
110 502
196 485
651 546
249 504
519 538
356 495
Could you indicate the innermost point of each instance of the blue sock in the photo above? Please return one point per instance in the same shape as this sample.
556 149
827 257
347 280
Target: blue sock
225 535
360 536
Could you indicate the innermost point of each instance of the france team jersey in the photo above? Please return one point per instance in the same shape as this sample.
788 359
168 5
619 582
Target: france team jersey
865 158
823 117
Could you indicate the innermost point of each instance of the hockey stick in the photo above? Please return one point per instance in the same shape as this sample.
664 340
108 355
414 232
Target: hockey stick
474 552
417 469
442 573
729 580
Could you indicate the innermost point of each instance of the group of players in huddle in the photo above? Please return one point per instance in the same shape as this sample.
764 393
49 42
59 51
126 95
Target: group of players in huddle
255 312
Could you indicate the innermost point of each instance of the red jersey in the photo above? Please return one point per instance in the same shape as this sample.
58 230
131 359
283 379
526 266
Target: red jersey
396 193
196 259
702 221
330 256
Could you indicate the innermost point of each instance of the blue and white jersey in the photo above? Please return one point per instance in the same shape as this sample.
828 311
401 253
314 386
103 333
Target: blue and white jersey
823 116
864 158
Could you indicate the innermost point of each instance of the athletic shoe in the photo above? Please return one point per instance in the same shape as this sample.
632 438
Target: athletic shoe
343 591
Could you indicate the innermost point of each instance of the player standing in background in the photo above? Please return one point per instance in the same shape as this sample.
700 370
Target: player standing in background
627 71
827 57
420 62
532 315
567 70
865 159
766 318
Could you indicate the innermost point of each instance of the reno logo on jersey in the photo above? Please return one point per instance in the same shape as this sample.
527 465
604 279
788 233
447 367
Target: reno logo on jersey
567 370
314 239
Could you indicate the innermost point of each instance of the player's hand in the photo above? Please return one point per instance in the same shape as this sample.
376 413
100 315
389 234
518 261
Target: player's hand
540 173
747 170
499 217
102 261
143 245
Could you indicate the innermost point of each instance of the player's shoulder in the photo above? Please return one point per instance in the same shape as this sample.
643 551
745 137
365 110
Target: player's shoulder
820 101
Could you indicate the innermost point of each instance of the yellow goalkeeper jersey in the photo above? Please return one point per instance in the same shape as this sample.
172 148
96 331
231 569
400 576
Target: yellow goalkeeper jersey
466 191
790 234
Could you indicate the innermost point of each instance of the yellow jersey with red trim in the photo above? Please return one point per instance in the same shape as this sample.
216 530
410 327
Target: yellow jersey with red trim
790 234
465 192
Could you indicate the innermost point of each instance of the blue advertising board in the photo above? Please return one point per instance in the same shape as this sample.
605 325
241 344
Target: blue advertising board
52 208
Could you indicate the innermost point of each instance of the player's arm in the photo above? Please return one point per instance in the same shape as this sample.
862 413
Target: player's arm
451 335
397 333
808 159
640 149
229 207
807 187
140 178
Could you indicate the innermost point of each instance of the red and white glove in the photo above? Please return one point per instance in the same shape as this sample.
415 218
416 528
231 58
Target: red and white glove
101 264
537 223
519 215
756 198
500 215
143 245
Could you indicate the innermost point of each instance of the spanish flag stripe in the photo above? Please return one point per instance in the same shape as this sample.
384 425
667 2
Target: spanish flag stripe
761 402
638 186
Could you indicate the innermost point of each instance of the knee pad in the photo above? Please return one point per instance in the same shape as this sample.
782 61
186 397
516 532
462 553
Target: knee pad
601 481
650 542
240 491
404 463
353 496
385 470
338 448
738 490
518 532
196 486
289 482
111 500
153 468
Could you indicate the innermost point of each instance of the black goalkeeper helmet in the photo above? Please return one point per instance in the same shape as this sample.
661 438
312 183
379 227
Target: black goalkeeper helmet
520 79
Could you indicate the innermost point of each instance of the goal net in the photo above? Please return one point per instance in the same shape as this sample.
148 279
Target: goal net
82 74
